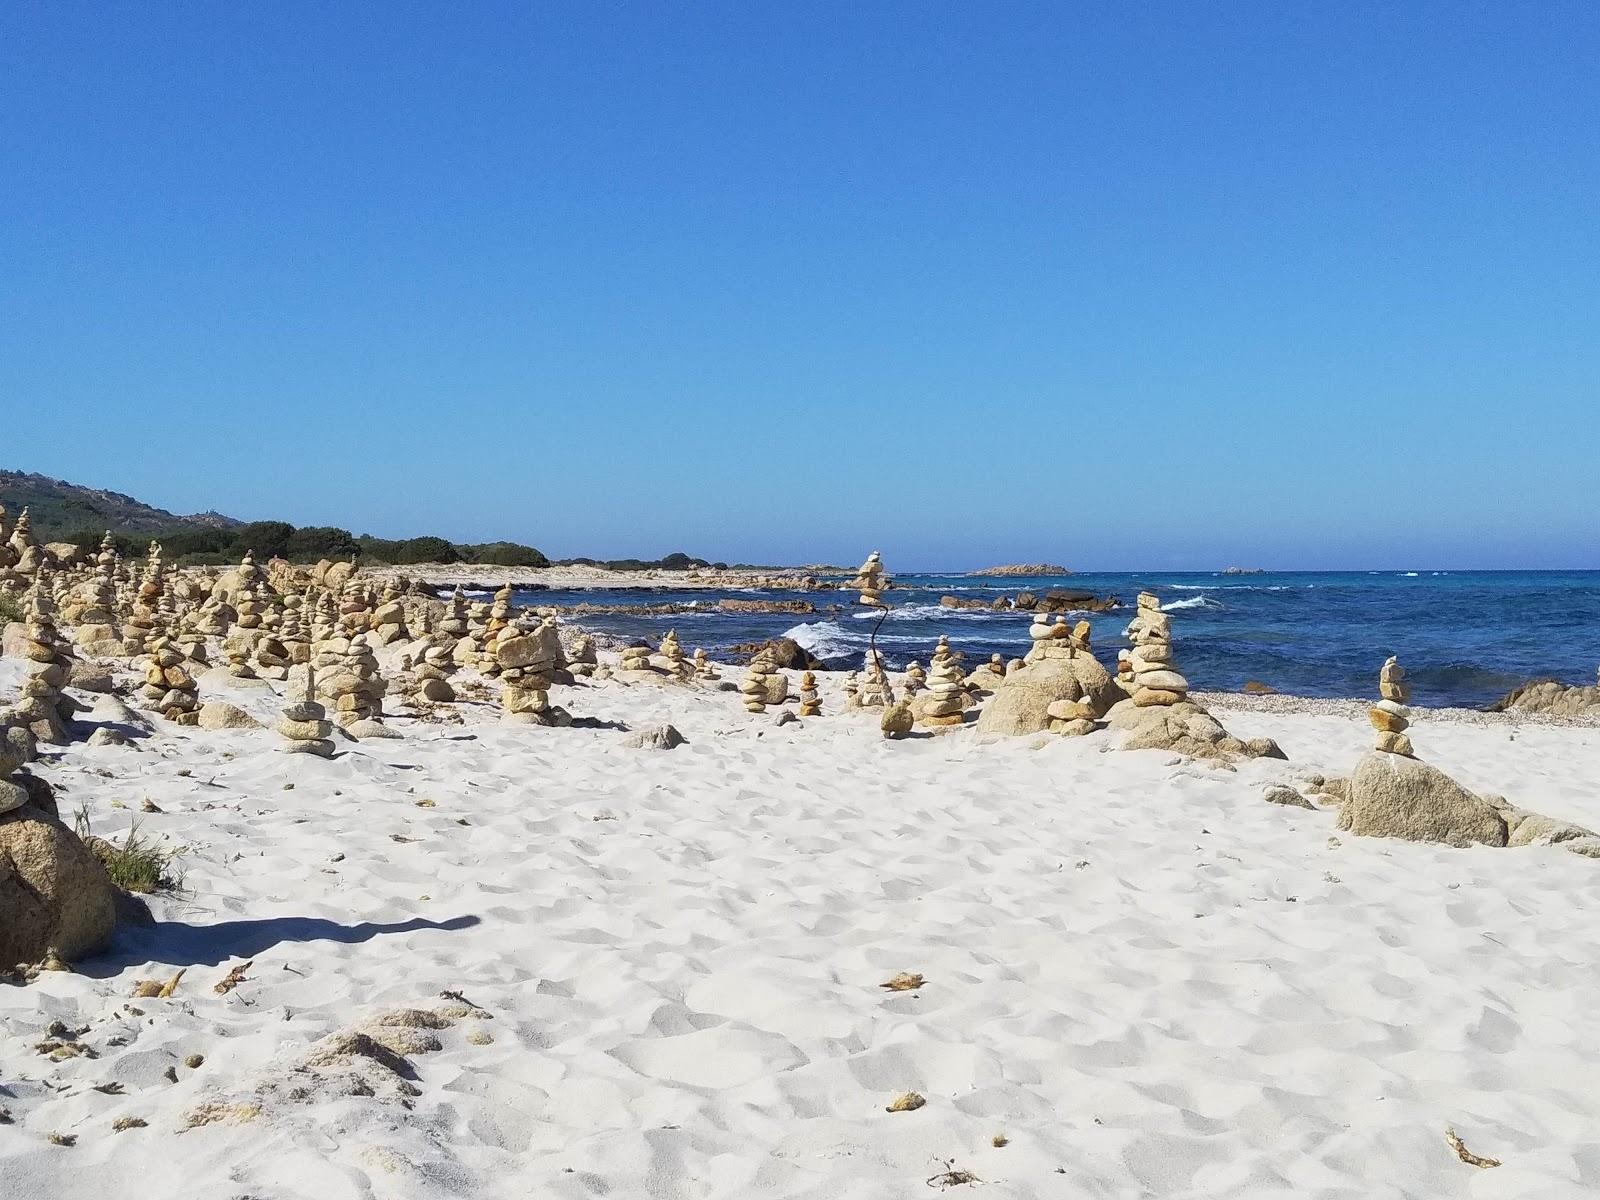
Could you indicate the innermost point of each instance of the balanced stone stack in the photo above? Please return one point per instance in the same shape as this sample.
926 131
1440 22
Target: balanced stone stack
757 682
142 619
1072 718
703 669
870 582
946 697
388 620
635 658
304 725
97 632
875 691
670 659
356 688
499 618
1051 639
247 603
434 668
27 555
43 709
989 675
1155 681
526 660
1390 716
915 678
852 691
810 702
168 683
585 659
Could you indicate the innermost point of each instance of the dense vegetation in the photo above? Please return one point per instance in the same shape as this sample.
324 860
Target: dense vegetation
669 562
279 539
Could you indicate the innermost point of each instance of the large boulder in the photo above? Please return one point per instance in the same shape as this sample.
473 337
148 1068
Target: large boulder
54 894
1549 696
1395 796
219 714
784 652
1184 728
1021 702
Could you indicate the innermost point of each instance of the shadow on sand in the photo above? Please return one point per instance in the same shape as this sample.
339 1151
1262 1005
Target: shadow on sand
184 945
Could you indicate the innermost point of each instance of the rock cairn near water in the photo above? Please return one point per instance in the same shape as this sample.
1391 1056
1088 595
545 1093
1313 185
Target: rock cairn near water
946 696
757 682
703 670
810 702
635 658
989 675
670 658
527 660
874 691
1156 681
870 582
915 678
304 725
147 603
1390 716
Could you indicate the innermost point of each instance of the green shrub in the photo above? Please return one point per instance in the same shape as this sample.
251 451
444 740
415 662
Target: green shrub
138 865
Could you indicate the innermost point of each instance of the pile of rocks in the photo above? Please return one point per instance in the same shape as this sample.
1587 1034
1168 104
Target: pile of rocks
757 683
874 690
703 670
1390 716
584 659
915 678
810 702
946 696
670 659
147 603
388 620
636 659
870 582
168 683
354 685
43 708
304 724
527 660
1155 682
988 676
97 631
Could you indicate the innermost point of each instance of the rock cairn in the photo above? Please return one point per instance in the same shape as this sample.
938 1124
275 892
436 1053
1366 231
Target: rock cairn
388 620
703 670
147 603
870 582
915 678
757 682
852 690
28 557
875 691
897 719
670 659
43 709
355 685
635 658
810 702
1072 718
1390 716
304 724
97 632
1155 681
168 683
527 659
585 659
946 697
989 675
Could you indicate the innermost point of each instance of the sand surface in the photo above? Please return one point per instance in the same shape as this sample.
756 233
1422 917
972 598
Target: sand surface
1144 979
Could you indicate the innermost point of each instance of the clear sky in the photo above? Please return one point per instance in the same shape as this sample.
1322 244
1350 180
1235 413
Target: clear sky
1167 285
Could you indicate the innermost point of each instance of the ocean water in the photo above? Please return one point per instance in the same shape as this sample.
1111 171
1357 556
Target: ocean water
1465 638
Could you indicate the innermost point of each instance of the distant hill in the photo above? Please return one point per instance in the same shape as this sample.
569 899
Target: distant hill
58 508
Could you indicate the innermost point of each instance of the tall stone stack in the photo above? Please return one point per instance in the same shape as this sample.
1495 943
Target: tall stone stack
852 691
703 670
870 582
43 708
1155 680
527 658
247 602
1051 639
147 603
28 555
875 691
810 702
946 696
304 724
757 682
1390 716
355 687
168 683
8 556
97 631
353 611
670 658
434 668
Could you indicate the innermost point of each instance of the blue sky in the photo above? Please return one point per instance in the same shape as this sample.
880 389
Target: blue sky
1146 287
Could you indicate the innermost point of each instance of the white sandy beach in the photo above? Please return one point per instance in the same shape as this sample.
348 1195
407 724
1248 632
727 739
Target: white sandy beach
1140 976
